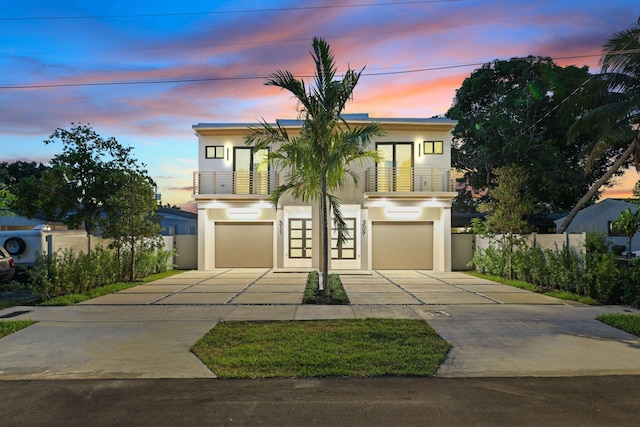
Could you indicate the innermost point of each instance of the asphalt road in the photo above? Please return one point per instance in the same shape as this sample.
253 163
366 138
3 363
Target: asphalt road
574 401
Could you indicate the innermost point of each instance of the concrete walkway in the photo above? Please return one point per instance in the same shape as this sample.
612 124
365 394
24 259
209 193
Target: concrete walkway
147 331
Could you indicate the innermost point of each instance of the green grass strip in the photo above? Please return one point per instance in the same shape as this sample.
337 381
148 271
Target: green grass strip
627 322
106 290
10 326
327 348
565 295
515 283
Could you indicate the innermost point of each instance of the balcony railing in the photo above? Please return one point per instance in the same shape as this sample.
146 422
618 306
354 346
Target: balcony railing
409 179
242 182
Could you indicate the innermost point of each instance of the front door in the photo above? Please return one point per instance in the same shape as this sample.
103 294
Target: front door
395 171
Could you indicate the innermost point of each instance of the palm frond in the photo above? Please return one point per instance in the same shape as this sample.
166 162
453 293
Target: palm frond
339 223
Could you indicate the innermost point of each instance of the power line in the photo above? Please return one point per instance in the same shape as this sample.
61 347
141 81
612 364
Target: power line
231 78
224 12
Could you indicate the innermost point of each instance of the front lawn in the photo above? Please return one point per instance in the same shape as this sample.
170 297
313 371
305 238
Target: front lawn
627 322
326 348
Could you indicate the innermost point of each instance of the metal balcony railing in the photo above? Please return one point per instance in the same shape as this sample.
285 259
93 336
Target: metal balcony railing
242 182
409 179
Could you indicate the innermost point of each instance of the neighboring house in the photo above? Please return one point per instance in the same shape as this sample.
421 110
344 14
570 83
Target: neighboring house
18 222
598 217
177 222
399 215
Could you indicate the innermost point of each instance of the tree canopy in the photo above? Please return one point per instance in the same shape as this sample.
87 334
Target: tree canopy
509 113
79 180
610 114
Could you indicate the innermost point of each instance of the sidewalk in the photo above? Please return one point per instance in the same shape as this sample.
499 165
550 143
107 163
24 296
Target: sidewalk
147 331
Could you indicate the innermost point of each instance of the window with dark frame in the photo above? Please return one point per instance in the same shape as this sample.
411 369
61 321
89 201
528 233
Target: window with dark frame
433 147
214 152
346 250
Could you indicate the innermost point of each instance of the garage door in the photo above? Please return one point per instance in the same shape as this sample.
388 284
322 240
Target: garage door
244 244
402 245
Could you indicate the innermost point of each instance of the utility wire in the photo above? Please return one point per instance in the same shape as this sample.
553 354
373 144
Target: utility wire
222 12
256 77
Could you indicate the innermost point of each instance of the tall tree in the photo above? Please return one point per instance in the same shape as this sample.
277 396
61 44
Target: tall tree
320 157
79 180
614 112
128 216
508 114
507 210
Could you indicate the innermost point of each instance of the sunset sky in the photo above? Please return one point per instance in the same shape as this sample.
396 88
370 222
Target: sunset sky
145 71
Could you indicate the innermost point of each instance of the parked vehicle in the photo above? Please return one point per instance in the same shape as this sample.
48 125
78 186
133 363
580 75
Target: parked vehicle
7 266
23 245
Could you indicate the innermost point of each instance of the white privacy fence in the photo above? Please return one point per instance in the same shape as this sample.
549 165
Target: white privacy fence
463 246
28 243
544 241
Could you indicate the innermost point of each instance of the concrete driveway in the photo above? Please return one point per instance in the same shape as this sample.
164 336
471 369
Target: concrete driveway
147 331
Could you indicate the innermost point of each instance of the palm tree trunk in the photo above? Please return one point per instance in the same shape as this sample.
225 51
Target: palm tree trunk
325 239
599 183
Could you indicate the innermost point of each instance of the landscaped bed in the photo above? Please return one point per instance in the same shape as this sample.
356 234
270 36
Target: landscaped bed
327 348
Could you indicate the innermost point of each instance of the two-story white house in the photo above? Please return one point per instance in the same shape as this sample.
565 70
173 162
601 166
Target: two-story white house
399 215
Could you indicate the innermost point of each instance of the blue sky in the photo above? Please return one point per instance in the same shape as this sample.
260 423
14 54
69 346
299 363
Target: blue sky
145 71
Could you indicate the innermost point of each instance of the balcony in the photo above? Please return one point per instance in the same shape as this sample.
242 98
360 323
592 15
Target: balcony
235 183
409 180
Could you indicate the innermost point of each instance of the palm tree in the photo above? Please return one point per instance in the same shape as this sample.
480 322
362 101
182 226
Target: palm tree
628 224
614 113
318 159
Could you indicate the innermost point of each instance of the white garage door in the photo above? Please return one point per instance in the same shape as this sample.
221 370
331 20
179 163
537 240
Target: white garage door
402 245
244 244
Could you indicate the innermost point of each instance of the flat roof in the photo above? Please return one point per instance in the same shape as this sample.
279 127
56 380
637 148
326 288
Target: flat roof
353 118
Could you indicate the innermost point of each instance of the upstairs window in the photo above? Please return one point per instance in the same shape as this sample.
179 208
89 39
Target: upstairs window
214 152
433 147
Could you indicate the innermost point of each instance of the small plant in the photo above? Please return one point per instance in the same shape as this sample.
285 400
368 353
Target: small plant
313 295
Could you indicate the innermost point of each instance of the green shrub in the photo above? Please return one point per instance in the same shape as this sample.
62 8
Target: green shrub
566 269
491 261
67 273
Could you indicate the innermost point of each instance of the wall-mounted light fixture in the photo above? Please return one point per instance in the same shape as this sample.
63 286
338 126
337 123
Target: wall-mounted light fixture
227 154
403 212
243 213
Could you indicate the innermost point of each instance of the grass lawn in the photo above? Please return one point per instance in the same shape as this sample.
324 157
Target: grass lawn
10 326
627 322
105 290
327 348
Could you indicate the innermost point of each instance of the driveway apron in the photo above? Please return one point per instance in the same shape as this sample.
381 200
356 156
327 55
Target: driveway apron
147 331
